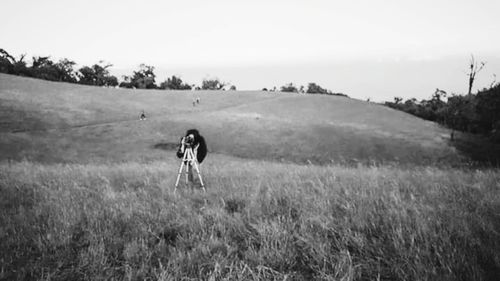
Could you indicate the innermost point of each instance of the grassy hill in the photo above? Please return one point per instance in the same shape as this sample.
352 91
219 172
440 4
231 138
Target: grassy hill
54 122
113 212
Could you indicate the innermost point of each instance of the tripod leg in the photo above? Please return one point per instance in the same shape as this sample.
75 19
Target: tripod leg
183 162
195 164
179 175
187 172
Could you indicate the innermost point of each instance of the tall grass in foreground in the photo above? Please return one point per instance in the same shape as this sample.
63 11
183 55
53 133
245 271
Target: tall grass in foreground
257 221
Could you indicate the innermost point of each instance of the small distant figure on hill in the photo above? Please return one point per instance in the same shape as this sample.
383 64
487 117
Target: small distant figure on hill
198 100
143 116
194 103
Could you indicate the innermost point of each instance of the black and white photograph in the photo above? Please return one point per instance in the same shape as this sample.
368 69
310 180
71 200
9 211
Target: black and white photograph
249 140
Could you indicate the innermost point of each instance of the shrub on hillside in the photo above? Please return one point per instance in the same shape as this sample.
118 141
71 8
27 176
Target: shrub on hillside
9 65
144 78
41 67
212 84
313 88
488 110
6 62
97 75
290 88
474 113
174 83
427 109
65 72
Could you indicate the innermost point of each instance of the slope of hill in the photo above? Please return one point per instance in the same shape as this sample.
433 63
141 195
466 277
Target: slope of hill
59 122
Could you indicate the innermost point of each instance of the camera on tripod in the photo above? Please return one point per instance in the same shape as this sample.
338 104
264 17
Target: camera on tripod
188 151
188 140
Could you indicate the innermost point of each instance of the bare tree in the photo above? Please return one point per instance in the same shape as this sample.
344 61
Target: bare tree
475 68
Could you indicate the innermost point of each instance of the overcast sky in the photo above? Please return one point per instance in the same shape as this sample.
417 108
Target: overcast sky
371 48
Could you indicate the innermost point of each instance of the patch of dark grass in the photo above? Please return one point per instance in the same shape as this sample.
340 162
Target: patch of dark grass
166 146
234 205
481 151
168 235
284 207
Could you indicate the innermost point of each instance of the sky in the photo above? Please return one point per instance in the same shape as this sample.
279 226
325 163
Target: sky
374 49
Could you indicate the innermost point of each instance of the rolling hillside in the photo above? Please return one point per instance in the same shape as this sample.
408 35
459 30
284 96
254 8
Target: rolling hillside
101 204
58 122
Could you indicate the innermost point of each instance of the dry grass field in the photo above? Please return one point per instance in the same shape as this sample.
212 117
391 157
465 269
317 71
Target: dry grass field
298 188
257 221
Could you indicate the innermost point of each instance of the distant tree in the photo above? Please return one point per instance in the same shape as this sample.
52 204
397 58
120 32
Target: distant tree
313 88
6 62
212 84
86 75
479 113
97 75
458 113
102 76
44 68
488 110
232 88
111 81
20 67
174 83
289 88
411 106
144 78
264 89
431 109
474 69
65 71
126 82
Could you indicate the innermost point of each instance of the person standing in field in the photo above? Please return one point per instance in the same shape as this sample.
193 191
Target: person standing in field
197 142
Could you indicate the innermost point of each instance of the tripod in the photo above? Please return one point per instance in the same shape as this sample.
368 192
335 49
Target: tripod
189 160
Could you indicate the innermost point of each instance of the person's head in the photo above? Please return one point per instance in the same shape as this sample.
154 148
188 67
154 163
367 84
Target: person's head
193 132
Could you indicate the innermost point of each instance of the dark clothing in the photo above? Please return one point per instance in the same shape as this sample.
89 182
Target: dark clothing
199 146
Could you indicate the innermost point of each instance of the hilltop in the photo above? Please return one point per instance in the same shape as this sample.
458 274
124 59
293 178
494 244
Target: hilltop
61 122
